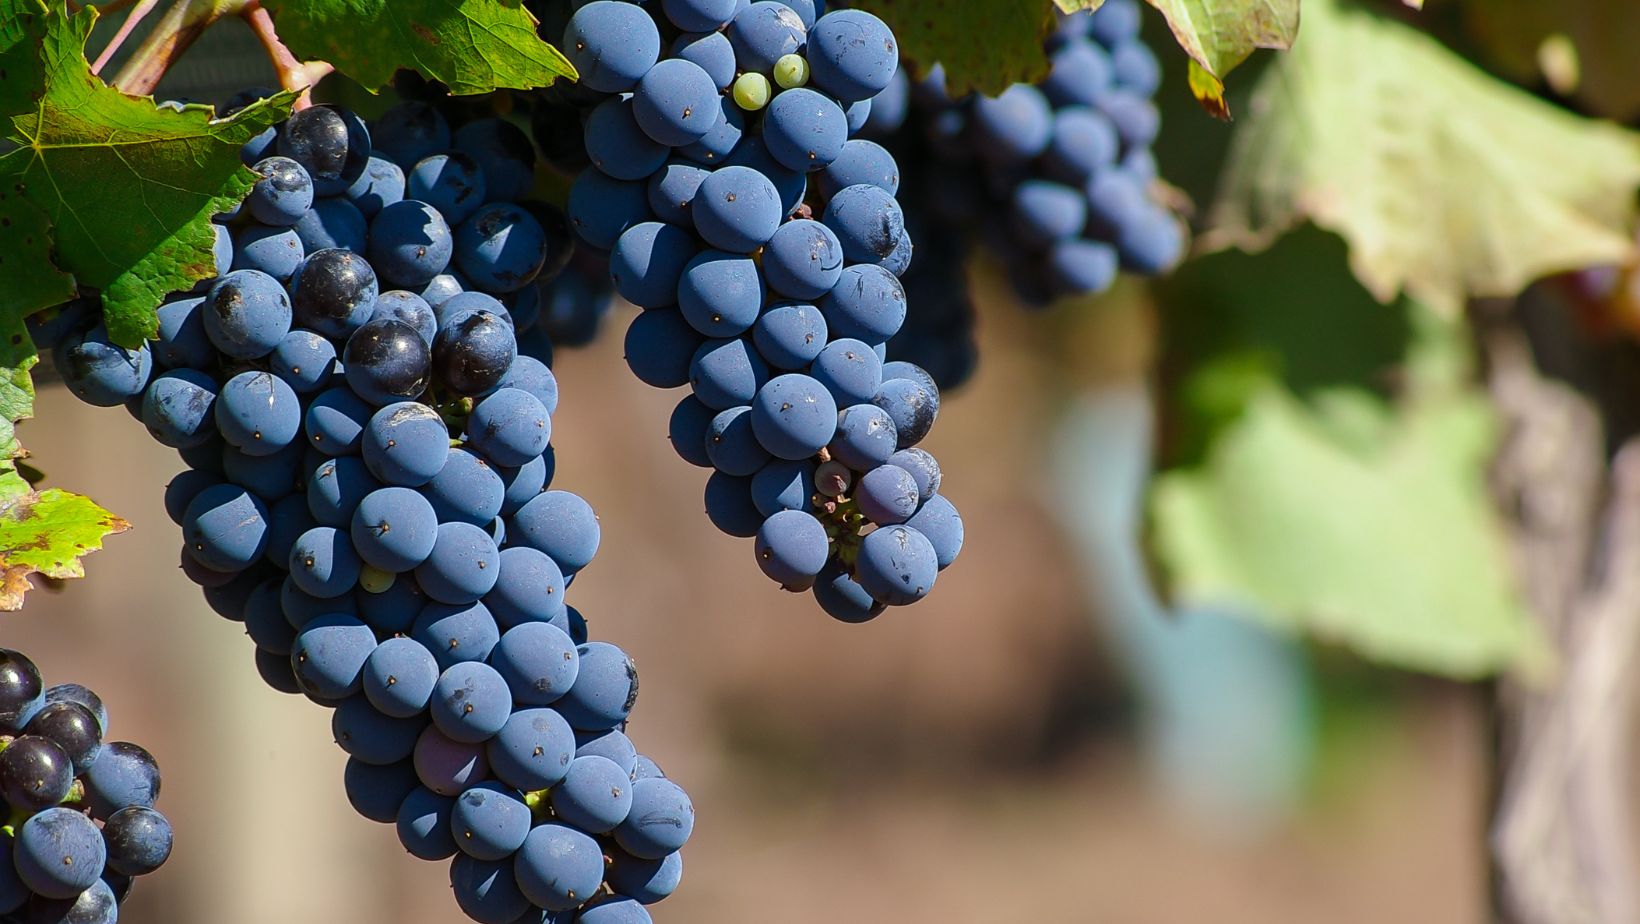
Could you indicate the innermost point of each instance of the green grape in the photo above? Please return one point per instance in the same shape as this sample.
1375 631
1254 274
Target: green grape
791 71
752 91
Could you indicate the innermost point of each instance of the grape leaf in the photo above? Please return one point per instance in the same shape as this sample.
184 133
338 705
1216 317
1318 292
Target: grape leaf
1359 522
1220 34
473 46
982 45
45 532
1603 32
123 190
1445 182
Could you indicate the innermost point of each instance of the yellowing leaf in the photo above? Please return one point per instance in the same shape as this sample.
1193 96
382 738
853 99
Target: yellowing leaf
1445 182
473 46
1220 34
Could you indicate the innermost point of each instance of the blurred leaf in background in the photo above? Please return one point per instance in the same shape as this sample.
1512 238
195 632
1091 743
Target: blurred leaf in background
1525 38
1445 182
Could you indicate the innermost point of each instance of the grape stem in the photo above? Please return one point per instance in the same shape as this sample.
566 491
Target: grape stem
293 74
136 16
173 35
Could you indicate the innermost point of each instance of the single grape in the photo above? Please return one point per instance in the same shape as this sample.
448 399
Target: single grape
604 691
282 195
617 145
660 822
334 293
59 853
305 360
887 494
387 361
462 567
471 356
764 32
530 589
594 796
423 823
649 260
35 773
72 727
258 413
490 821
410 243
329 654
791 548
405 444
804 130
99 371
501 247
612 45
138 841
559 867
471 702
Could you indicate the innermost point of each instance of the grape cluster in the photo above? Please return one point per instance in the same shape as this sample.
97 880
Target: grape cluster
1065 163
59 779
765 244
369 491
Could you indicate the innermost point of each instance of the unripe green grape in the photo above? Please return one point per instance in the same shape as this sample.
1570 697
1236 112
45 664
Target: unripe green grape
791 71
752 91
374 580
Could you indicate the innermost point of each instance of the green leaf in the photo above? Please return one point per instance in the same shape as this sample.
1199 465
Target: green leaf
473 46
1220 34
1358 522
123 190
41 532
1445 182
983 45
1516 35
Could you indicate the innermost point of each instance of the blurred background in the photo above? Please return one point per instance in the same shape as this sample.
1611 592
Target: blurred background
1086 723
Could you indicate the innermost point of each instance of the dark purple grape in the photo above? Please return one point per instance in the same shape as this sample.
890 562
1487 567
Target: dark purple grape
386 361
334 292
138 839
74 728
472 355
21 690
35 773
332 144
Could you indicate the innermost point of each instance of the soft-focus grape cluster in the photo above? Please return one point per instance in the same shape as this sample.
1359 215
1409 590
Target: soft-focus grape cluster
1065 164
764 243
77 816
369 457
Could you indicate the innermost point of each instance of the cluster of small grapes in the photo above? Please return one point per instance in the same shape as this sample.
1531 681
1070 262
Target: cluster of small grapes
770 296
368 492
58 779
1067 161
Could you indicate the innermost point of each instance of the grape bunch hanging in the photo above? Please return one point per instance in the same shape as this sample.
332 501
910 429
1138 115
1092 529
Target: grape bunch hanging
369 490
77 817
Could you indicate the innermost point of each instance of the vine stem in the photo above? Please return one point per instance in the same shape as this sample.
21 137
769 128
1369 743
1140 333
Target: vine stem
136 16
173 35
293 74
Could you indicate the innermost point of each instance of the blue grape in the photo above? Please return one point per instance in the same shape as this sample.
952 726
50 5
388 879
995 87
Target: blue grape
258 413
282 195
373 737
594 796
1044 212
246 313
1082 265
138 841
648 261
225 528
334 292
612 744
328 656
467 489
645 881
614 909
1115 22
394 529
789 335
804 259
377 793
486 890
897 565
409 308
178 408
793 184
323 562
35 773
451 182
1013 127
676 103
849 369
601 207
720 294
269 477
857 115
381 185
530 589
387 361
333 223
617 145
912 406
687 430
458 307
410 243
865 437
731 446
1115 200
792 547
501 247
804 130
723 141
660 821
737 209
405 444
1151 243
335 488
923 468
462 566
423 822
887 494
560 524
726 373
288 518
490 821
612 45
470 702
181 342
842 598
336 420
395 609
671 194
783 485
867 221
867 304
533 376
503 152
305 360
456 632
302 608
533 750
332 144
59 853
730 507
558 867
399 676
861 162
794 416
1080 75
604 691
523 483
123 775
763 33
473 353
259 147
182 490
1084 143
700 15
940 523
510 427
707 48
852 55
1135 118
409 131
